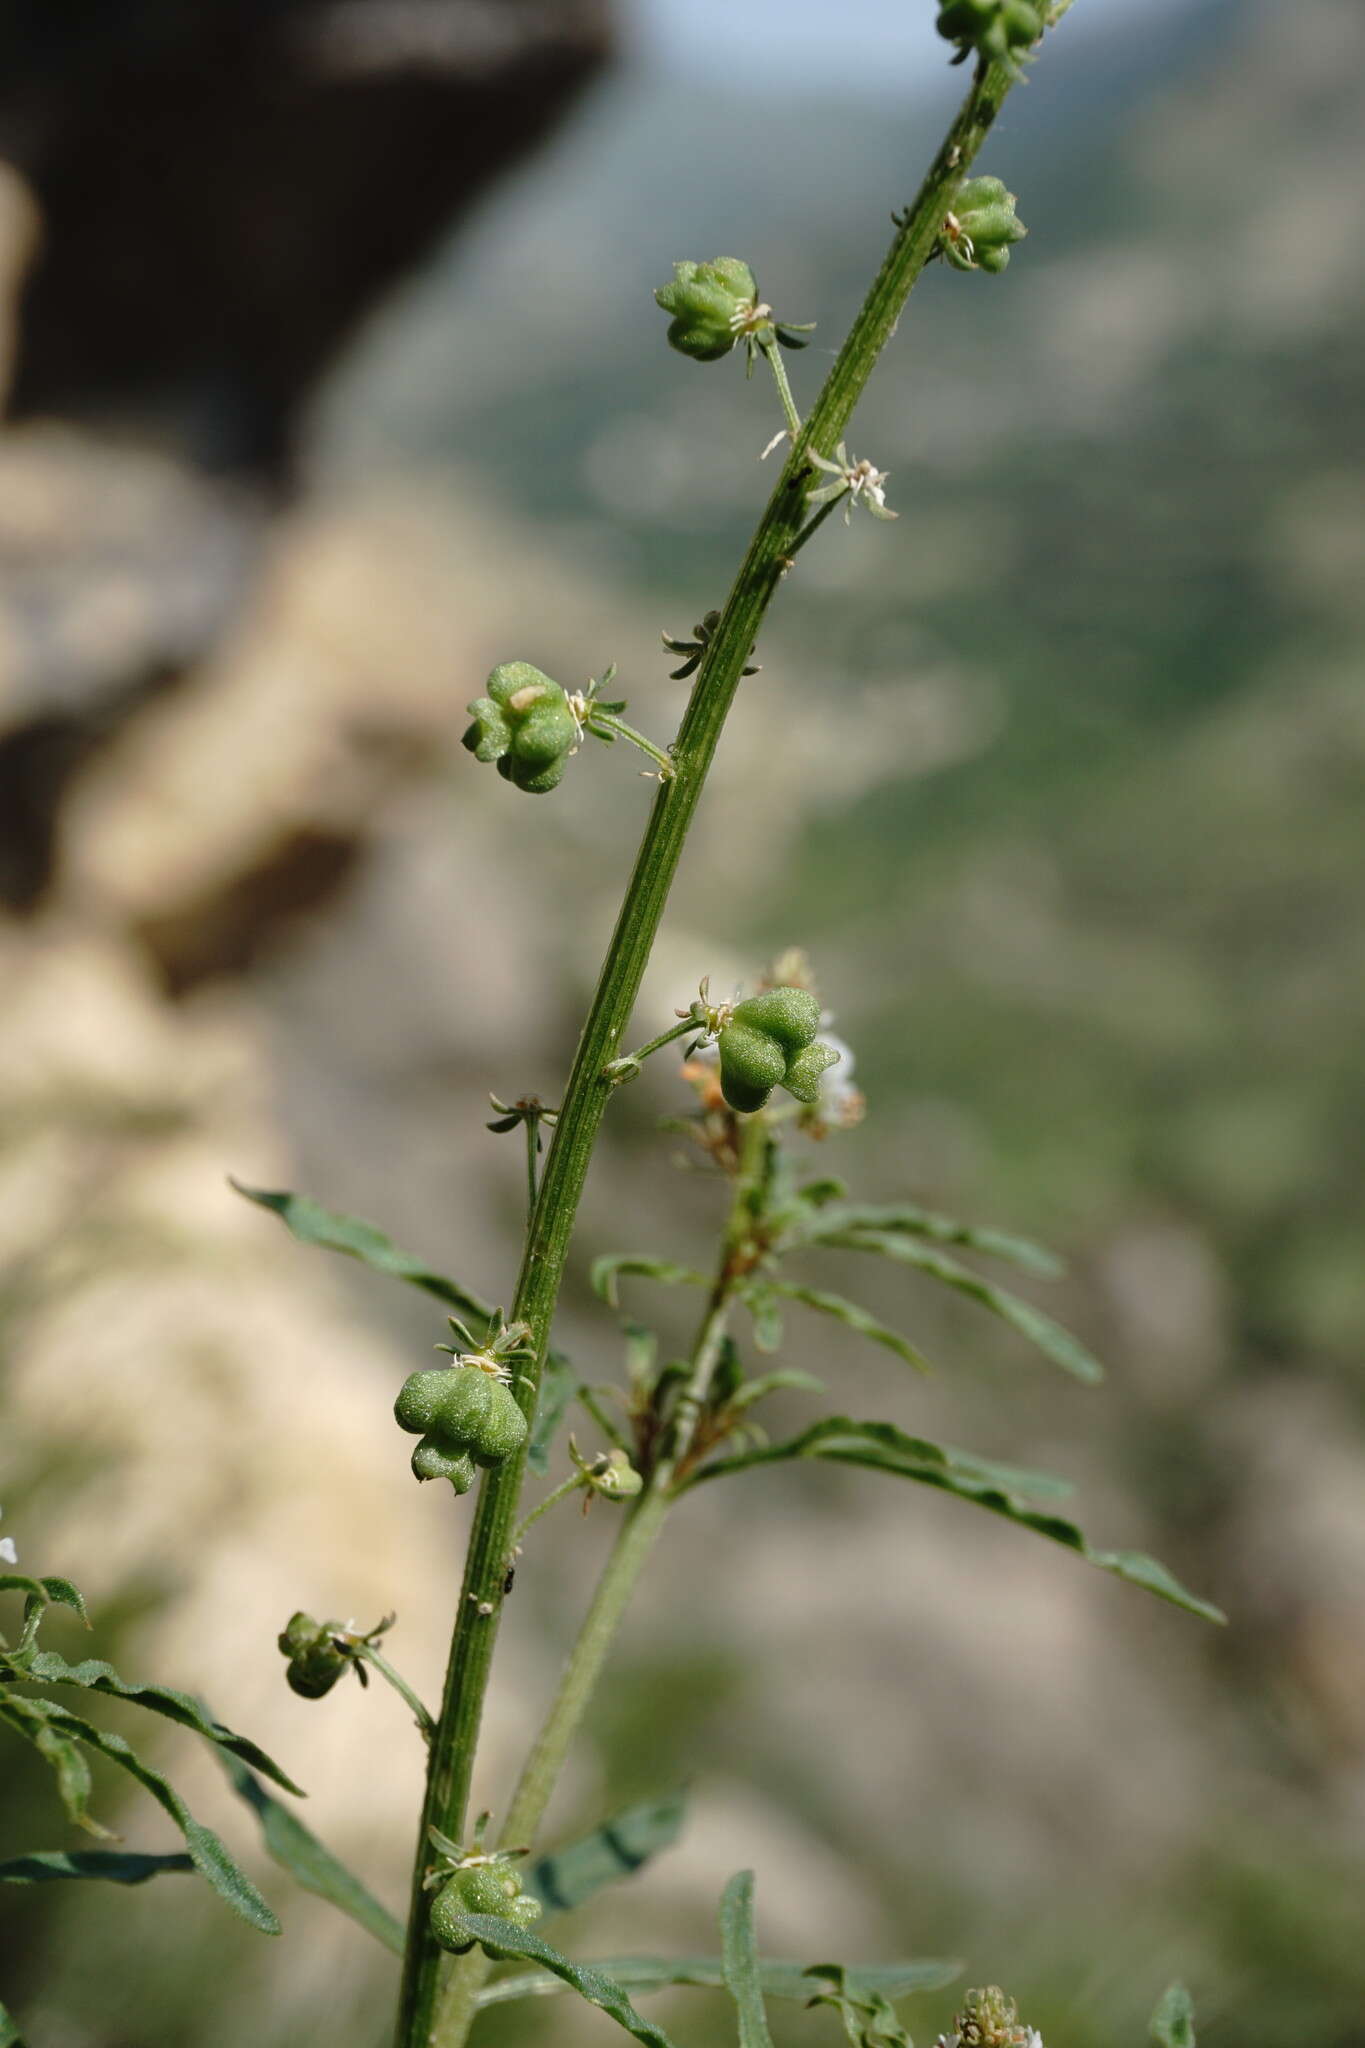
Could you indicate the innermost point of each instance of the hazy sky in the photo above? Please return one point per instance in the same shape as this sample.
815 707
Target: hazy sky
782 40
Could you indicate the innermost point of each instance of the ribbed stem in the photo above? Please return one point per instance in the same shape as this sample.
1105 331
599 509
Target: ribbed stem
585 1099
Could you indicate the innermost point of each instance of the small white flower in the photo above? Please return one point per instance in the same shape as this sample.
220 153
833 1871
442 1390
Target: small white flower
859 483
8 1553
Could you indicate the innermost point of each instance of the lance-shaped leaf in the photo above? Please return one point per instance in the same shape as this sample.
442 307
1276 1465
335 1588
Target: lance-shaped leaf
1051 1339
853 1317
10 2036
36 1718
558 1385
614 1851
48 1668
895 1219
111 1866
1172 2023
762 1305
59 1592
311 1865
779 1979
882 1447
60 1752
501 1939
739 1959
310 1223
612 1267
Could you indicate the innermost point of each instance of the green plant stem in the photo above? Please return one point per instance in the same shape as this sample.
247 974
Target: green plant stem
400 1685
585 1099
607 722
633 1546
784 390
626 1068
566 1486
813 525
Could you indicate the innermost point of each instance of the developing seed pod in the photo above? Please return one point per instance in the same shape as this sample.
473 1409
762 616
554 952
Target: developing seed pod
493 1888
525 725
709 303
432 1460
751 1065
982 227
315 1664
769 1042
805 1068
999 30
464 1415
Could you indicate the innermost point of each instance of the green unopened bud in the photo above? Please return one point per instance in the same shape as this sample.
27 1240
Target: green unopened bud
525 724
999 30
768 1042
982 227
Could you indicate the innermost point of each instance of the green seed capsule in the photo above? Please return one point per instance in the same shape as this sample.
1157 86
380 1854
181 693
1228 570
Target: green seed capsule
434 1459
789 1015
315 1664
525 724
1000 30
492 1888
709 303
751 1065
501 1429
449 1401
770 1043
982 227
802 1078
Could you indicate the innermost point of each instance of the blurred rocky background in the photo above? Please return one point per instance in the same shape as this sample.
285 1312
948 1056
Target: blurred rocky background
334 378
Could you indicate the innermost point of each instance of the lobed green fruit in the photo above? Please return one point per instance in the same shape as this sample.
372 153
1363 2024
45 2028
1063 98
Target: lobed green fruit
464 1417
804 1069
790 1015
492 1888
986 227
751 1065
769 1042
995 29
431 1460
525 725
707 301
315 1664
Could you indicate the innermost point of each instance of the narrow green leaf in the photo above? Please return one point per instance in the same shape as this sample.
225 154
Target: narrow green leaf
312 1866
907 1219
882 1447
855 1318
739 1959
60 1753
1173 2021
310 1223
1021 1479
502 1940
612 1267
762 1305
785 1379
1051 1339
613 1851
706 1973
558 1385
10 2036
113 1866
95 1676
60 1592
211 1858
